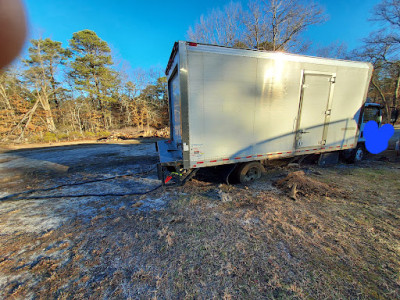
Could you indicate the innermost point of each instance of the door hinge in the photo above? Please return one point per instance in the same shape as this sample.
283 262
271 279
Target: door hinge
323 142
328 112
332 79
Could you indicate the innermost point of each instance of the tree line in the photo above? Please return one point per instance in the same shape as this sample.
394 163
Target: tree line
58 92
61 92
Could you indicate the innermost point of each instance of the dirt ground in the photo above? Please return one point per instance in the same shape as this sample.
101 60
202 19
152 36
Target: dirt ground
303 232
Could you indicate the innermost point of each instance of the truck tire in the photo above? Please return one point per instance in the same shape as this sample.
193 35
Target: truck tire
357 154
249 172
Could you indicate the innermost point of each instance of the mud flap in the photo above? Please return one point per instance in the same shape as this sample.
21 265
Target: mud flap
160 172
228 171
328 159
189 176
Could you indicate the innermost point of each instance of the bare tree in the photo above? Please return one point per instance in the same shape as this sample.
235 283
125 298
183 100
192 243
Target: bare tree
336 50
42 89
220 26
387 15
274 25
287 19
374 53
255 23
381 48
5 103
388 11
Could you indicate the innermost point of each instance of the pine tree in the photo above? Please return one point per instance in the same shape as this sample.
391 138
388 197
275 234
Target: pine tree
92 72
45 56
49 55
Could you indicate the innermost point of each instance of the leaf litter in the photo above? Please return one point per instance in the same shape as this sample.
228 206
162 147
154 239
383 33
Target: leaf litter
189 243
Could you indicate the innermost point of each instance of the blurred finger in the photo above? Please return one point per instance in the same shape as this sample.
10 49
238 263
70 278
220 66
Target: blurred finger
12 30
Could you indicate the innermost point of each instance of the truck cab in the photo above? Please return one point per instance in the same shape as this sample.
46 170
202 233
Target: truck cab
371 112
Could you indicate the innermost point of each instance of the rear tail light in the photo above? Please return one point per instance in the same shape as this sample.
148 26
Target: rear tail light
168 179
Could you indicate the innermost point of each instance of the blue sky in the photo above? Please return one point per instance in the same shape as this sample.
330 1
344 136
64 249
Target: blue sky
142 33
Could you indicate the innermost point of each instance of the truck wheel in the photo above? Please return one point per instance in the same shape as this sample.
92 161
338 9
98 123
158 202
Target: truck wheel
357 155
248 172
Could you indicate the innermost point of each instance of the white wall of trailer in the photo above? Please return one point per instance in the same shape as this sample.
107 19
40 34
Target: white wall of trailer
244 104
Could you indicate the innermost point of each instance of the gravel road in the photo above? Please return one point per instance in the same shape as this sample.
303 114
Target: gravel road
24 170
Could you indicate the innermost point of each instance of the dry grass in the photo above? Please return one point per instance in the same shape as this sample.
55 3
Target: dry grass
261 244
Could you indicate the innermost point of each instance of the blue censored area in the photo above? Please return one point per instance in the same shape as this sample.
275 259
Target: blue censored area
377 139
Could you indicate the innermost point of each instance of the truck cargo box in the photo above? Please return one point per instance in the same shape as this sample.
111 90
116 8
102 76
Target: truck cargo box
233 105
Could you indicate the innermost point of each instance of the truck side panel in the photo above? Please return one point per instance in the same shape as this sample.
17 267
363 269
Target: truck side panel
277 103
349 97
247 107
222 103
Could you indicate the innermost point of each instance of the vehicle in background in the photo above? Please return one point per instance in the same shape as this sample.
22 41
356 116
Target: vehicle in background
371 112
239 109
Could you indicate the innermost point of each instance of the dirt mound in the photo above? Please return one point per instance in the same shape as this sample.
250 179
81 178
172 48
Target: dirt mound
298 183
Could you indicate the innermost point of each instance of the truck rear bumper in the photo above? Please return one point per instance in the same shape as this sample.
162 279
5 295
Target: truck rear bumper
168 153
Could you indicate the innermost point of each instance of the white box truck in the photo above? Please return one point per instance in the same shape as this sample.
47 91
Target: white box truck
243 108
